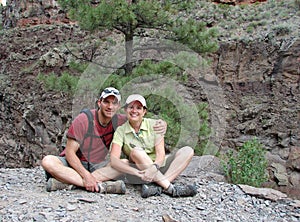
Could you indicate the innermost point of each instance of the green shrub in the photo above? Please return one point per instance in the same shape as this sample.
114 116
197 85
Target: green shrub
166 110
250 29
248 165
282 29
64 83
79 67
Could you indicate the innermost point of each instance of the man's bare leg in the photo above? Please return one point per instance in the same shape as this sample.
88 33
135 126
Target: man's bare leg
64 174
54 166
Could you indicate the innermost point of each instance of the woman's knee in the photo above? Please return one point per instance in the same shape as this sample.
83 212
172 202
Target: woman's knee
187 150
137 153
125 161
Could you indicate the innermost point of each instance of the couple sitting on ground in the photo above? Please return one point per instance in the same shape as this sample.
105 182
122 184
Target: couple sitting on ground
136 149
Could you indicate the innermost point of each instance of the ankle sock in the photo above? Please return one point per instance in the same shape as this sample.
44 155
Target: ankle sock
101 188
169 190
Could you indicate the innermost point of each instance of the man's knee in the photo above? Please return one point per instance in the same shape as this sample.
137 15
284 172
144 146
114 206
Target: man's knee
48 161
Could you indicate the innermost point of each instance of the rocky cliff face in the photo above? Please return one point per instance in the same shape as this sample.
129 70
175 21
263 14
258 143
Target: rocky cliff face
260 81
25 13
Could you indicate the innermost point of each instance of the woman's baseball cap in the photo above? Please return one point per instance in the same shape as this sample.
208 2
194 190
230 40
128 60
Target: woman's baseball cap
136 97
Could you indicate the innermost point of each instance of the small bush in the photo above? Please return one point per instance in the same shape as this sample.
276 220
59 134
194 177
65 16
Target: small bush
248 165
250 29
64 83
79 67
282 29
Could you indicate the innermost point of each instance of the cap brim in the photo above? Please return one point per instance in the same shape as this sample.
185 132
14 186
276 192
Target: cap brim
112 94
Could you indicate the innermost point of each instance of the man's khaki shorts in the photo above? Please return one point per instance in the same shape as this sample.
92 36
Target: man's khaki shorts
90 167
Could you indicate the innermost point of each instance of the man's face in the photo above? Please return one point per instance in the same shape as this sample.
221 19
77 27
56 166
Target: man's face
108 106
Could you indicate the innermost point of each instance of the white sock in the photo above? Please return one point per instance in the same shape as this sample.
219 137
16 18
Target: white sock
170 189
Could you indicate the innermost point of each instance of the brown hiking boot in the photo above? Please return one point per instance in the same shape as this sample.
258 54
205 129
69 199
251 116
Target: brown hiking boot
149 190
116 187
53 185
183 191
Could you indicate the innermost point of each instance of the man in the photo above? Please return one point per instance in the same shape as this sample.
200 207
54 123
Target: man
84 161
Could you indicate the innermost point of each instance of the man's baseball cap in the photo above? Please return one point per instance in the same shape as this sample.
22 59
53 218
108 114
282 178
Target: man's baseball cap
110 91
136 97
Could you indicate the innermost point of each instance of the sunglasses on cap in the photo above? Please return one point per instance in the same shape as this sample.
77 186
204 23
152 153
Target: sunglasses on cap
111 91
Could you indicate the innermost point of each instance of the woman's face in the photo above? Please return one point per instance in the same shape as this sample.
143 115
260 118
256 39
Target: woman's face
135 111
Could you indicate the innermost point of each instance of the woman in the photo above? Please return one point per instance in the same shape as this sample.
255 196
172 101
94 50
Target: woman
145 150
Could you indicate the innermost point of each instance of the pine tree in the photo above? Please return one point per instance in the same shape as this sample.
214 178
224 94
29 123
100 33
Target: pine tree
129 17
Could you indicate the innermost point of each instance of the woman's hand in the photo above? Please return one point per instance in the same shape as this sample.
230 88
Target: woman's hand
139 173
150 173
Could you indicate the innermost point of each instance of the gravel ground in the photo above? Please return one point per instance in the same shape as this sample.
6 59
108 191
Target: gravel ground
23 198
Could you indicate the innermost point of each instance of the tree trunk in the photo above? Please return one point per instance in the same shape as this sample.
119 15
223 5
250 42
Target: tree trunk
129 50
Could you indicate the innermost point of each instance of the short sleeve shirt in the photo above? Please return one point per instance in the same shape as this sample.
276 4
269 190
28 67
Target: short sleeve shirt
92 149
146 138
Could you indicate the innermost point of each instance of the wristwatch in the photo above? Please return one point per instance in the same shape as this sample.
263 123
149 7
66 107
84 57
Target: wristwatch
156 165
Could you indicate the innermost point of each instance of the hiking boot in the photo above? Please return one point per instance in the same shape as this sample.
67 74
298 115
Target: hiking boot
183 191
150 190
116 187
53 185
